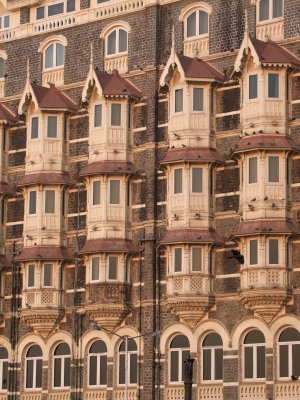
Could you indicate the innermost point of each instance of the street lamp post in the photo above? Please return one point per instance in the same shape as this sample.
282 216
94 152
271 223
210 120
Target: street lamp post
188 378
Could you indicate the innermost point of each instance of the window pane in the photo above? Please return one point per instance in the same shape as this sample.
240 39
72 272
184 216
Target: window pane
283 361
277 8
29 374
67 372
273 85
57 372
40 12
260 367
296 359
197 174
2 67
253 252
263 10
55 9
178 260
49 201
273 251
212 339
180 341
103 370
60 54
95 269
6 21
253 170
248 362
122 369
178 100
4 374
174 361
32 202
31 273
254 337
133 368
112 268
207 365
98 115
48 274
39 373
197 99
185 355
70 5
122 40
34 127
96 192
203 22
253 87
111 43
289 335
3 353
115 114
191 25
114 192
98 347
273 169
49 57
196 259
93 370
177 181
218 364
52 127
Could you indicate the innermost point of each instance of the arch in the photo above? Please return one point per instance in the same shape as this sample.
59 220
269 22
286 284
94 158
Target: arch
110 27
207 327
200 5
283 322
29 340
177 329
52 39
242 328
4 342
93 335
59 337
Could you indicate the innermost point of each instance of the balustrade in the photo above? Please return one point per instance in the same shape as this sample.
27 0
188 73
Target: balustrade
270 29
253 391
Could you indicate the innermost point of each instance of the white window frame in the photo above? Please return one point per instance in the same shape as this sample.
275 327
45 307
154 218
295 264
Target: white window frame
129 353
182 177
249 252
268 251
56 15
191 181
254 346
212 364
279 169
248 172
198 35
62 372
203 98
30 127
43 275
117 53
55 66
2 361
180 351
174 102
120 193
94 115
107 268
91 269
35 359
2 21
57 127
279 86
202 259
110 115
98 356
254 99
45 195
266 21
173 260
27 277
290 358
36 203
92 194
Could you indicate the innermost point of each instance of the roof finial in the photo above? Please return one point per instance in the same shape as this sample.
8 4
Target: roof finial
246 22
92 55
173 45
28 71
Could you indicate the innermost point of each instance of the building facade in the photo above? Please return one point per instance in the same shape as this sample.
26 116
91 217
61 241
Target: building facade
150 199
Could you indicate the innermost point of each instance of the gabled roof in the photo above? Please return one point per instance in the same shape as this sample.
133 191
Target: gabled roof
6 116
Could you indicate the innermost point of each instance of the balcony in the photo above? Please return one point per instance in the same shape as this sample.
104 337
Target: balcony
119 394
31 396
287 390
55 76
210 392
174 393
95 394
198 47
249 391
59 395
274 30
120 63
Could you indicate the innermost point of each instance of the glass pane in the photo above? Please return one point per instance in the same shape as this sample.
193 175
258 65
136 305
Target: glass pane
248 362
253 252
178 259
263 10
60 54
253 87
96 192
132 345
273 85
111 43
122 369
49 57
178 100
122 41
98 347
48 275
277 8
253 170
207 365
70 5
212 339
196 259
103 370
289 335
57 372
4 374
6 21
55 9
197 99
296 359
49 201
2 67
31 270
34 127
191 25
273 251
3 353
113 268
177 181
197 178
133 368
218 364
40 13
95 269
261 360
32 202
283 361
34 351
39 373
273 169
67 372
180 341
174 366
114 193
203 22
52 127
29 374
115 114
98 115
185 355
62 349
254 337
93 371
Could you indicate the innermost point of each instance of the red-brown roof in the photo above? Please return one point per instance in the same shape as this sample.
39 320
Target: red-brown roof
114 85
249 228
52 99
44 253
199 154
266 142
108 167
6 115
191 236
271 53
5 188
109 245
196 68
48 178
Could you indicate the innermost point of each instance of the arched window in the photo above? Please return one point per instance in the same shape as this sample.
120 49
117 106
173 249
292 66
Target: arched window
289 353
270 9
197 24
212 360
34 368
131 354
98 364
254 355
54 56
179 352
2 67
61 366
3 368
116 42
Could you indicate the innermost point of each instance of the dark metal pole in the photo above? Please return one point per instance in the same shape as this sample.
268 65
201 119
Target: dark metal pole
188 378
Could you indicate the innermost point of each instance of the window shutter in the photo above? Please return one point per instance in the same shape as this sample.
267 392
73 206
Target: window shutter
113 268
253 170
253 87
96 192
177 259
273 169
264 10
197 179
115 114
52 127
114 196
48 268
178 100
253 252
196 259
49 201
32 202
111 43
95 269
273 251
98 115
178 181
197 99
273 86
34 128
191 25
31 275
203 22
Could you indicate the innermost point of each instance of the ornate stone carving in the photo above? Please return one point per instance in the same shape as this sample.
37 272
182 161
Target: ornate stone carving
42 320
108 315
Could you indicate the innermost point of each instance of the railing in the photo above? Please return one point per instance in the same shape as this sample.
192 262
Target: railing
119 394
2 87
3 396
174 393
196 48
59 395
187 284
270 29
38 298
287 391
255 391
100 293
210 392
31 396
55 76
119 63
95 394
263 277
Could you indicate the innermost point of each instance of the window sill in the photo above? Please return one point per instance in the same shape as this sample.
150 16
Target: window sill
118 62
53 75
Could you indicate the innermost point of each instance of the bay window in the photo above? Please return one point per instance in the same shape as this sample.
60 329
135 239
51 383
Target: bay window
31 276
96 189
273 86
253 250
197 99
51 126
34 128
32 202
47 275
97 115
49 201
114 191
273 251
197 180
115 114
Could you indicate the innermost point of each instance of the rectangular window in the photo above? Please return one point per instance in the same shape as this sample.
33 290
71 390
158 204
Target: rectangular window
6 21
197 179
178 259
253 87
248 359
207 356
273 86
253 252
277 8
197 99
31 275
115 114
114 191
253 170
178 100
264 7
112 268
47 275
34 128
55 9
70 5
98 115
40 13
273 251
273 169
96 193
178 181
50 201
196 259
32 202
95 269
51 126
